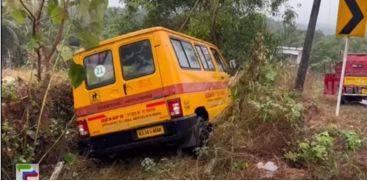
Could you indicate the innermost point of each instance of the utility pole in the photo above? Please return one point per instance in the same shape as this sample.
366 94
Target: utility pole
302 70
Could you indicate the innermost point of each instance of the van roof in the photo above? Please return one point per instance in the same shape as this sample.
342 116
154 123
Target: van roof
139 32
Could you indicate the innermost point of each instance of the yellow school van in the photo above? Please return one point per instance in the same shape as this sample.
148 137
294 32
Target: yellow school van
148 87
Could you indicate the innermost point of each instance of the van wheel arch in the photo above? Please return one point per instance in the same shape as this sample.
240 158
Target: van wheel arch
202 112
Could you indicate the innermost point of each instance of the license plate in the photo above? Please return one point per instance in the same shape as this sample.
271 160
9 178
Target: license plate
364 91
150 132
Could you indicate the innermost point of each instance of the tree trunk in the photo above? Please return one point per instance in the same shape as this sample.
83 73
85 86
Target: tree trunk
36 29
302 70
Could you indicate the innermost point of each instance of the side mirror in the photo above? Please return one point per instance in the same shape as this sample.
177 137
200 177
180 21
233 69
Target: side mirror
232 64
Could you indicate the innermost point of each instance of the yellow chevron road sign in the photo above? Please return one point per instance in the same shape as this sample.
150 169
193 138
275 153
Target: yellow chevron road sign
352 18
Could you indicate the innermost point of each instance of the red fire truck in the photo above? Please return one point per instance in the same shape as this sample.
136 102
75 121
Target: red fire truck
355 79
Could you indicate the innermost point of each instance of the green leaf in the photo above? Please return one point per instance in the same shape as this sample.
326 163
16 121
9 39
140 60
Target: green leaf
56 15
19 15
55 11
16 10
97 9
34 43
88 40
69 157
76 74
83 8
51 5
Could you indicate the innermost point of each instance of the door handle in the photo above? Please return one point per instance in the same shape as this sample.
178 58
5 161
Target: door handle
125 87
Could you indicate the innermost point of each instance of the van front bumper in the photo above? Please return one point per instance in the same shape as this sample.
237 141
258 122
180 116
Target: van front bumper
174 131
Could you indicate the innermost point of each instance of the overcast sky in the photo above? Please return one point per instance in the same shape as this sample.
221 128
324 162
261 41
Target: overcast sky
327 14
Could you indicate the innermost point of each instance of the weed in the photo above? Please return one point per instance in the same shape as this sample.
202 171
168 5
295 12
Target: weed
314 150
148 164
240 165
14 148
353 142
70 158
9 92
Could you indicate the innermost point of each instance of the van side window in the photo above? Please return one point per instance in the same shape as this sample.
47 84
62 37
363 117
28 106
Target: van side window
180 53
208 58
218 60
185 54
201 57
191 55
99 69
136 59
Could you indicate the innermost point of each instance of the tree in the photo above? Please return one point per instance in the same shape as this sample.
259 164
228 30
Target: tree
48 21
302 70
289 27
231 25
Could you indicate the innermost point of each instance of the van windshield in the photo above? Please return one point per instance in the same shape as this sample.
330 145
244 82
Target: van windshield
99 69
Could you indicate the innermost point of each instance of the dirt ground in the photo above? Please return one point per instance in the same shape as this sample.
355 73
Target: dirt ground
353 116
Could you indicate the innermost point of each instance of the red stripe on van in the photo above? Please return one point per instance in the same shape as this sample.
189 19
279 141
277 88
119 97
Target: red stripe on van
148 96
155 104
96 117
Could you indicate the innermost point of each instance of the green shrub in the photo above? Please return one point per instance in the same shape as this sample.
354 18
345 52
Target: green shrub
314 150
9 92
353 142
14 148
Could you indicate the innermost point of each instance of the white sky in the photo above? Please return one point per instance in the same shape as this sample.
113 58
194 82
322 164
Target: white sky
327 14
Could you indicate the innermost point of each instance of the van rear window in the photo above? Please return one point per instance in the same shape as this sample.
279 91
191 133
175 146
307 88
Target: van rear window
99 69
136 60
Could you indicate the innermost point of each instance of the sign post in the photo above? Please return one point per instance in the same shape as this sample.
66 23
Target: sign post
352 21
341 82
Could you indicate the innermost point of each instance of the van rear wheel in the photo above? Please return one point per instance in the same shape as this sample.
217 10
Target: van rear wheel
198 138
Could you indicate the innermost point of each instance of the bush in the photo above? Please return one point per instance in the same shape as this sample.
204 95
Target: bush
314 150
20 114
353 142
326 150
262 119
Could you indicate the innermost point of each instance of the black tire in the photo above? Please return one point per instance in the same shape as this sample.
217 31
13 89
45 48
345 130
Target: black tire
351 99
198 138
202 133
83 148
344 100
